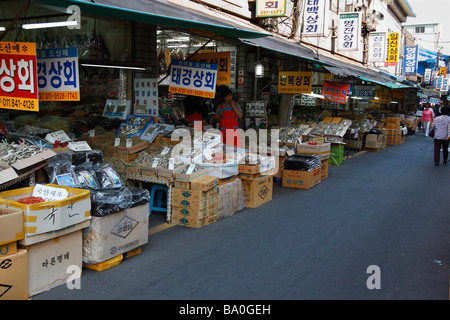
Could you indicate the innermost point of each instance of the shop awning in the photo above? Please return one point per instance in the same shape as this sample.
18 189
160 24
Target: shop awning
285 46
164 13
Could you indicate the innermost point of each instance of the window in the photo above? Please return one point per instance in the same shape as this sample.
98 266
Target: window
420 30
334 5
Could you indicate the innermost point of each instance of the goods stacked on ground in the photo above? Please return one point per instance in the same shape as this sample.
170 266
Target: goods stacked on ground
83 209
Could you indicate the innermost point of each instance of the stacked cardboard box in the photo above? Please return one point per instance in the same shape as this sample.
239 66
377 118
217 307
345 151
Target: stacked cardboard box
315 148
195 208
231 197
14 276
336 154
52 235
373 142
258 189
299 179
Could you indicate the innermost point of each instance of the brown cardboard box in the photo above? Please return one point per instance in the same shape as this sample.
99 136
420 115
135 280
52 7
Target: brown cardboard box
179 195
301 179
258 191
133 149
204 183
11 225
48 262
14 277
8 249
193 222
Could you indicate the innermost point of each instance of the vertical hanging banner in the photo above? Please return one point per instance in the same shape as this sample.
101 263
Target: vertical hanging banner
349 31
392 49
18 77
314 17
427 76
223 61
270 8
410 61
294 82
335 91
146 96
193 78
377 47
58 74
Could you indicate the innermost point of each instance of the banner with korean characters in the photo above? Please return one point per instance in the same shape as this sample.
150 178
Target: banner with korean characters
392 49
314 17
58 75
365 93
349 31
146 96
294 82
18 76
335 91
382 96
193 78
410 60
377 46
270 8
222 59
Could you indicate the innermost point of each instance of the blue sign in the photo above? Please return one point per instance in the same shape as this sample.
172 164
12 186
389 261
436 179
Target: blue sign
410 60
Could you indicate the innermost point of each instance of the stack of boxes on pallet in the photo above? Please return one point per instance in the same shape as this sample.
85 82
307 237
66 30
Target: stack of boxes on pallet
395 135
195 202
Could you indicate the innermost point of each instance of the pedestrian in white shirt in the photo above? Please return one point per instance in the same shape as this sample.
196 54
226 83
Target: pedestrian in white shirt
441 127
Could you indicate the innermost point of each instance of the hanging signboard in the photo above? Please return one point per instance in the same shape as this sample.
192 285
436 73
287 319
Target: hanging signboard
364 92
58 74
335 91
270 8
314 17
294 82
349 31
427 76
445 83
146 96
443 71
18 78
377 46
392 49
382 96
223 61
193 78
410 61
439 82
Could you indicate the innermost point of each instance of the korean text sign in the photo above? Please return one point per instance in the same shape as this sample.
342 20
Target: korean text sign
193 78
314 17
335 91
349 31
382 96
294 82
223 61
364 92
270 8
377 47
18 77
392 50
146 94
410 60
58 74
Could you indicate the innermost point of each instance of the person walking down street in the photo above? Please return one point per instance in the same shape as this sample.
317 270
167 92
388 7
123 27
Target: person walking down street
441 126
427 119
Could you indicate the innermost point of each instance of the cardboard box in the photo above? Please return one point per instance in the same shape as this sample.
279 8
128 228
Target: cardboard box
8 249
373 141
115 234
14 278
33 160
182 184
193 213
318 149
189 177
11 224
7 173
48 262
50 215
204 183
193 222
133 149
29 240
324 169
258 192
301 179
179 195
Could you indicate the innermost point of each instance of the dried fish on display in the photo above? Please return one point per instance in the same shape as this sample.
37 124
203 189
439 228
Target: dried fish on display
12 152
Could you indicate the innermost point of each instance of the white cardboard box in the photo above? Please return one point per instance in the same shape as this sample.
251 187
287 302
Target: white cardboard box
48 262
114 234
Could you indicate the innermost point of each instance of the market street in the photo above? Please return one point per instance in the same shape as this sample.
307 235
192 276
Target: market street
387 209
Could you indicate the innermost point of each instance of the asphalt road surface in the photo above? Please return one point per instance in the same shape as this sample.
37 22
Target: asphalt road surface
377 229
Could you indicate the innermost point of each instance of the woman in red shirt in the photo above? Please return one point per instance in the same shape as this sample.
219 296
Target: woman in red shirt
427 118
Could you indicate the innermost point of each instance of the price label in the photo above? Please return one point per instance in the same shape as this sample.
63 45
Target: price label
116 142
79 146
49 193
190 169
57 136
165 151
92 133
129 143
155 162
171 163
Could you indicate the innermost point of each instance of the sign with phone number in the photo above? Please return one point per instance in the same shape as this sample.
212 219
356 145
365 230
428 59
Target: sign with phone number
18 77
